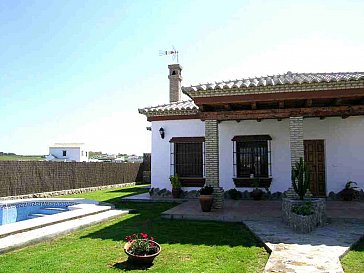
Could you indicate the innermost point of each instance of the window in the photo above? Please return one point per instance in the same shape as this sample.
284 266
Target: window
252 156
64 153
187 160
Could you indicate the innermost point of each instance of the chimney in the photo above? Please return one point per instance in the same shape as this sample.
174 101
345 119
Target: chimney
175 79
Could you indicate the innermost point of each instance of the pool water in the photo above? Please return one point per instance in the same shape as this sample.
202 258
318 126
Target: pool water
20 211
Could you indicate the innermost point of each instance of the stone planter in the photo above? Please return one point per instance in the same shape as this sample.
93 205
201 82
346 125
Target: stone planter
300 223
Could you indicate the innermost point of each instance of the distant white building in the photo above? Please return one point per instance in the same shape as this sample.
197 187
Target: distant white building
119 159
68 152
134 159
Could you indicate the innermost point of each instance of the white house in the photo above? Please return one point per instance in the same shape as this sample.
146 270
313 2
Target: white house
233 132
68 152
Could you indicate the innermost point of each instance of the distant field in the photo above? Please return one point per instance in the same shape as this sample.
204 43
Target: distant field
21 157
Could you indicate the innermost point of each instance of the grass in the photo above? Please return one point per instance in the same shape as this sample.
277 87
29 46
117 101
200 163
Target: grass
21 157
353 262
110 195
187 246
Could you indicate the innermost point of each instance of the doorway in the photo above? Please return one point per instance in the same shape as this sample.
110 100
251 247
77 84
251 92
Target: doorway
315 158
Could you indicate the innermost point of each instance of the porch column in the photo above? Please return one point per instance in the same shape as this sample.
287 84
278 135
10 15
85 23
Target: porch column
296 146
296 139
212 161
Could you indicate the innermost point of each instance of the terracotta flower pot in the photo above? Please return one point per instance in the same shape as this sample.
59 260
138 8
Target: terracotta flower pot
347 194
257 194
206 202
141 259
176 193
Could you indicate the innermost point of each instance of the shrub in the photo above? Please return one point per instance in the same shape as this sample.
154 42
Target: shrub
305 209
234 194
175 181
207 190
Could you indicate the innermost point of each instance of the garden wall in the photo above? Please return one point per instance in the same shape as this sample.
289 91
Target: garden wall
26 177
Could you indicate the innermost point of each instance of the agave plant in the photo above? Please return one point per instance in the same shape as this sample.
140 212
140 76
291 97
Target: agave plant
300 178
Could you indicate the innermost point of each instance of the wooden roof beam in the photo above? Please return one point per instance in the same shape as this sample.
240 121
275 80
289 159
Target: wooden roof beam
282 96
227 106
333 111
338 101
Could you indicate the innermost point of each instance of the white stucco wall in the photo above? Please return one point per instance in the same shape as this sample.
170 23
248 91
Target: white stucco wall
161 147
280 153
84 154
344 148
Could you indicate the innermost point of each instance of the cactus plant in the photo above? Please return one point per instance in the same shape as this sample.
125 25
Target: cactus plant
300 178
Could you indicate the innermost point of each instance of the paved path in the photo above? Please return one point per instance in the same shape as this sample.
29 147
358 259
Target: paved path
318 251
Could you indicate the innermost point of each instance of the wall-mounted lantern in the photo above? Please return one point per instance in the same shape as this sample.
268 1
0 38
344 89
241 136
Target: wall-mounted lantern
161 132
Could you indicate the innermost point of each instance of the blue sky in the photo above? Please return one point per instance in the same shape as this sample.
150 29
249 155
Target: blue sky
77 71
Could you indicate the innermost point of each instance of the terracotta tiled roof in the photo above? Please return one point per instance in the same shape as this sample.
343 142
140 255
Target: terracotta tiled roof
284 79
181 107
288 82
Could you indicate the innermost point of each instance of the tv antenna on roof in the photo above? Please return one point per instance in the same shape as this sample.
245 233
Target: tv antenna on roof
172 52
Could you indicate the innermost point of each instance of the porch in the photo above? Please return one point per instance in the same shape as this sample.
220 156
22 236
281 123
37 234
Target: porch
243 210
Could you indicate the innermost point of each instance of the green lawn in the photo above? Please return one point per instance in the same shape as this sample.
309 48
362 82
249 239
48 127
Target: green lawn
187 246
353 262
21 157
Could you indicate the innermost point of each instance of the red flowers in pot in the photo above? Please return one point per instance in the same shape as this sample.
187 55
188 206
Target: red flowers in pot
141 249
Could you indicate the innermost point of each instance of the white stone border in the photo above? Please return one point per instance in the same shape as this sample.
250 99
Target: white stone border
66 192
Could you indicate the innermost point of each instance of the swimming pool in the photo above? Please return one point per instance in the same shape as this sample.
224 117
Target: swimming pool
28 221
11 212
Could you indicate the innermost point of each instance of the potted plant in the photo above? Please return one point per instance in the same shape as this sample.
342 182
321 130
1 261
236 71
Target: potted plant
257 193
141 249
206 198
176 186
348 193
234 194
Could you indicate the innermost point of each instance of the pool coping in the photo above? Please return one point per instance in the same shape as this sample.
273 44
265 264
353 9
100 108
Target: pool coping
84 207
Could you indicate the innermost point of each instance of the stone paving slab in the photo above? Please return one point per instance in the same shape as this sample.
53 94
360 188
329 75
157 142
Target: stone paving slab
233 211
318 251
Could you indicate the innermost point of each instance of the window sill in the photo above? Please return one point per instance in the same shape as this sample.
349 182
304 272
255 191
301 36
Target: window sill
192 181
246 182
